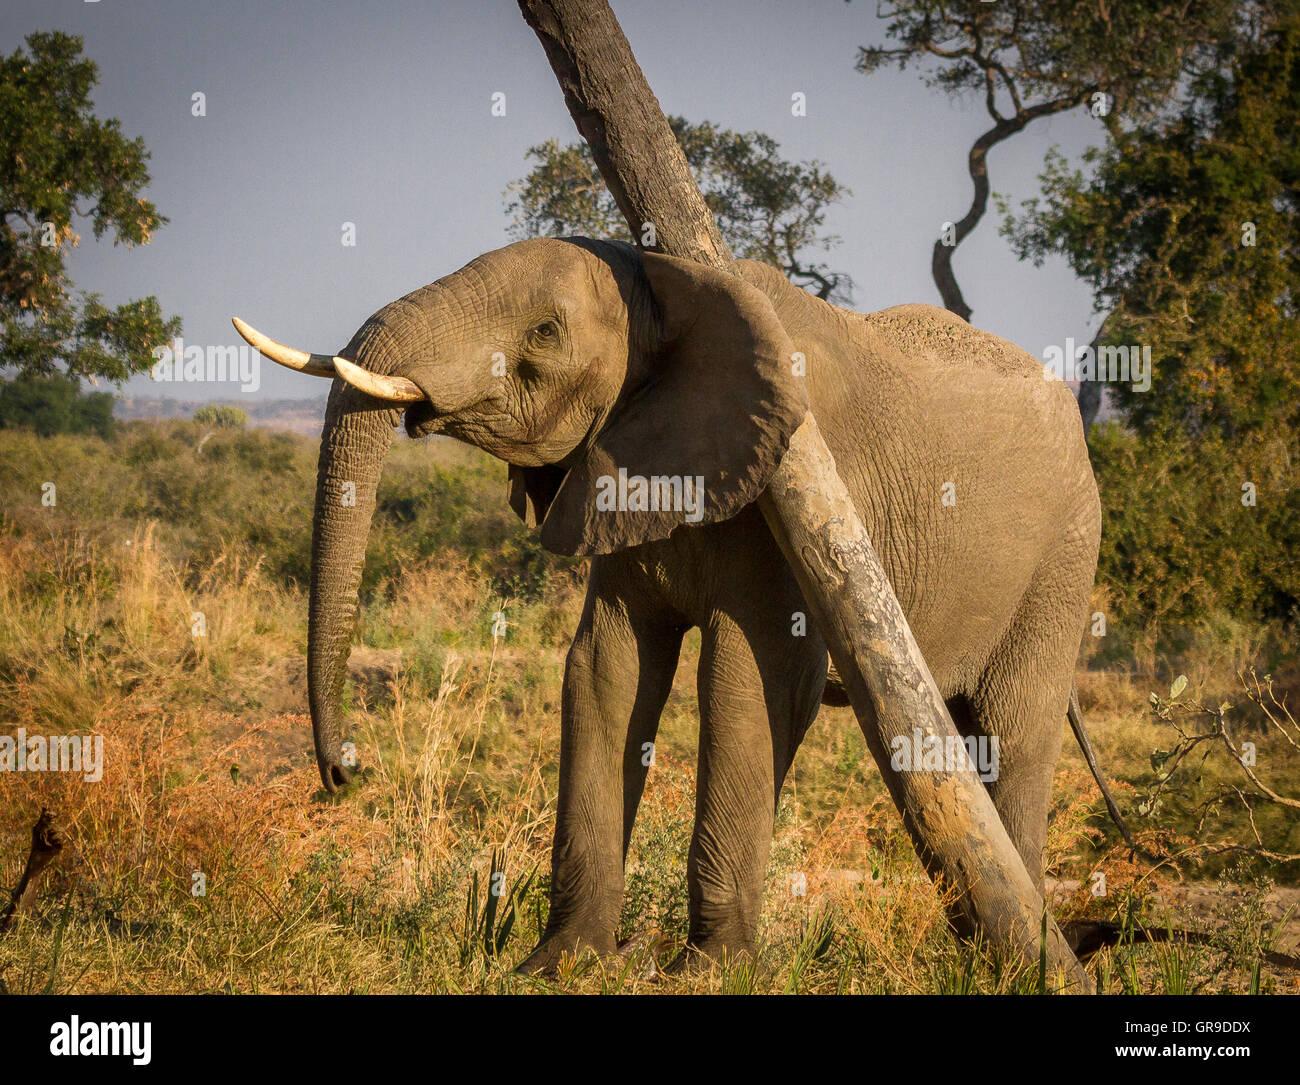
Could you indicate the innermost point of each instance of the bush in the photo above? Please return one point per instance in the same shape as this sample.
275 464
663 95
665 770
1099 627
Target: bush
1181 539
256 489
221 416
54 403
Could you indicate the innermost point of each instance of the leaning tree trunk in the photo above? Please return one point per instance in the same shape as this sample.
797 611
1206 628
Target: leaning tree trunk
949 815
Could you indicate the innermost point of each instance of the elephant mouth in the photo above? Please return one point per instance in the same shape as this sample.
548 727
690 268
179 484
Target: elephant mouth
422 420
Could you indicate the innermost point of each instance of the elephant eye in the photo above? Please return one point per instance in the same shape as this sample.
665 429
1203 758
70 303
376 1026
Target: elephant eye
546 332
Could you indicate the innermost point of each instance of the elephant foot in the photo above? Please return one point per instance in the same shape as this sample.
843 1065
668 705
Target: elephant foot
545 959
700 957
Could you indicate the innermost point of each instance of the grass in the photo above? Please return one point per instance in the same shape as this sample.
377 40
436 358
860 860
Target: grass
208 859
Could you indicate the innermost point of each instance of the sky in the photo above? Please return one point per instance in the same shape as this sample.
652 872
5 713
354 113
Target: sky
380 114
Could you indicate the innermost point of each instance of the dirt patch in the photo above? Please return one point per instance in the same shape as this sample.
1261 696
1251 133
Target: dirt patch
372 669
1210 907
275 737
262 749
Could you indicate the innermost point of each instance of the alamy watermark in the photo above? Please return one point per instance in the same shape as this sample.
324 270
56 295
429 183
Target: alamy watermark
918 752
130 1039
218 363
54 753
1114 365
658 493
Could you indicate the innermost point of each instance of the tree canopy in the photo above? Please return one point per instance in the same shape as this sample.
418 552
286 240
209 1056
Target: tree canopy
1187 233
1028 59
221 415
766 207
54 403
1185 227
59 163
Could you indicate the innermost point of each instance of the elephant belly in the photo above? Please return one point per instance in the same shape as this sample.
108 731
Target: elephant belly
736 569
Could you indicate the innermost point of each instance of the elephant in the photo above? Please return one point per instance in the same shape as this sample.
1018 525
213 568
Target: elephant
642 403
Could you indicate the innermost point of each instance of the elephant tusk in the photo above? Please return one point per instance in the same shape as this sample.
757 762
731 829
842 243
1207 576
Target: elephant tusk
317 365
393 389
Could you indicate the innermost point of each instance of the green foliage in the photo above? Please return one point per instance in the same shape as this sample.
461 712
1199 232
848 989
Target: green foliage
1029 59
60 161
488 928
256 488
1032 52
222 416
766 207
54 403
1186 229
656 896
1179 544
425 505
1212 774
1187 232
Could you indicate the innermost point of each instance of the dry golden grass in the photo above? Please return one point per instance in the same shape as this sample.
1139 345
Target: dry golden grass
209 772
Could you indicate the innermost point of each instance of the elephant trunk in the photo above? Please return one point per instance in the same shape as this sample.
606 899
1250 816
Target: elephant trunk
357 435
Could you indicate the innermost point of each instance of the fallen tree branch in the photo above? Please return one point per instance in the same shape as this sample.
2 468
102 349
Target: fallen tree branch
48 840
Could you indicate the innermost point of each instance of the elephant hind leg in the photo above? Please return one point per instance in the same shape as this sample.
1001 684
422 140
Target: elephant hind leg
1027 715
1021 698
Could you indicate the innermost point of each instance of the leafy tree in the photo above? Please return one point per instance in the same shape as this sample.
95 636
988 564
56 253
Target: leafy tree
58 160
1189 236
1029 59
766 207
222 416
51 403
1180 548
1186 229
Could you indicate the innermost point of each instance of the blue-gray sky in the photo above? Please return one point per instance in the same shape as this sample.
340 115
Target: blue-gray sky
321 112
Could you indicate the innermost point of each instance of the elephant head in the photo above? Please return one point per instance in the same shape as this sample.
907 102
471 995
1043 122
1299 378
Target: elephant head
613 383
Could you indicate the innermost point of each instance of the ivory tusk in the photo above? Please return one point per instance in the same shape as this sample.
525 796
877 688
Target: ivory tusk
393 389
317 365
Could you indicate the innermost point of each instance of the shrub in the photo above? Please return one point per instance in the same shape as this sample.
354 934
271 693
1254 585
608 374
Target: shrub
222 416
1181 540
54 403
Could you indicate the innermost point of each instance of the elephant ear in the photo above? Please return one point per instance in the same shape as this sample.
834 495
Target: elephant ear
702 439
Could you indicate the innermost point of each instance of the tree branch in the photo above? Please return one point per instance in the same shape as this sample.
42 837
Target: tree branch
977 165
47 841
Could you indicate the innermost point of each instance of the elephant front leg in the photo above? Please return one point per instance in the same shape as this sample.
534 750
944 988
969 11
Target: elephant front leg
617 678
758 696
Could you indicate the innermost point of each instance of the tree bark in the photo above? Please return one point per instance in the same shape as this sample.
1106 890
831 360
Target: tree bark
949 815
595 67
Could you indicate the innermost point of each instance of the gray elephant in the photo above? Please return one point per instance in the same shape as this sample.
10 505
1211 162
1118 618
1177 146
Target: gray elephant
642 404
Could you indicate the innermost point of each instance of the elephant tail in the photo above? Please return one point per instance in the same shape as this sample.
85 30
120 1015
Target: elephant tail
1085 744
